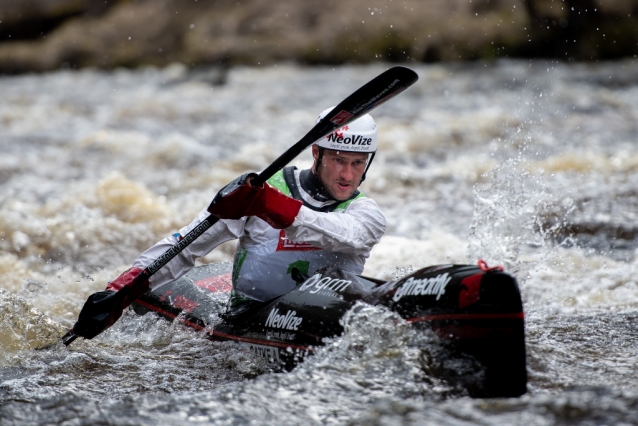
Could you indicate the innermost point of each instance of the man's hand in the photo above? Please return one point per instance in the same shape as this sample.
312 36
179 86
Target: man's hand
239 198
125 280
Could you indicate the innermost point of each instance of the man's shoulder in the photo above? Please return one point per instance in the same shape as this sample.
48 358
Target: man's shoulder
362 202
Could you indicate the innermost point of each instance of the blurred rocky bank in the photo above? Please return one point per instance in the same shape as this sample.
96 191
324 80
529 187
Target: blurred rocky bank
42 35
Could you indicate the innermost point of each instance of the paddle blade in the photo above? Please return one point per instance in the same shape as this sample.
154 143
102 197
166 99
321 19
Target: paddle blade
377 91
99 312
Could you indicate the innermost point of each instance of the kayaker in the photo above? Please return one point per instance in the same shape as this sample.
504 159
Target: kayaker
297 223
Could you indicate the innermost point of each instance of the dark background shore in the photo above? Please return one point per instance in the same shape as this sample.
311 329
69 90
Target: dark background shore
43 35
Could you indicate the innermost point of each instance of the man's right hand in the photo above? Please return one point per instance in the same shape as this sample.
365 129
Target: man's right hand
235 199
239 198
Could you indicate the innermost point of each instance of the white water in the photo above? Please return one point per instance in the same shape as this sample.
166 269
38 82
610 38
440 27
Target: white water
532 165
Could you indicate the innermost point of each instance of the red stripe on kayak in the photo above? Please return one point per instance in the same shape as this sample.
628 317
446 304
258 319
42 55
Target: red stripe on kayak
223 335
259 342
156 309
217 284
515 315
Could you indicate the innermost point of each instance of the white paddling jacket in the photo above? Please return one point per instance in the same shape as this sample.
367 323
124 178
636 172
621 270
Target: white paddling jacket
324 233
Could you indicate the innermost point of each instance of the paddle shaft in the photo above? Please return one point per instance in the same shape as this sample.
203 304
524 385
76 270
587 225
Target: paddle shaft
380 89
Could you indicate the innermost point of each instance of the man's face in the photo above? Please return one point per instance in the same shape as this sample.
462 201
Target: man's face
340 172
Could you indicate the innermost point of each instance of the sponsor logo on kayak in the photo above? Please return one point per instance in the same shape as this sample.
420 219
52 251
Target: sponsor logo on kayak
270 354
281 335
290 321
179 301
217 283
184 303
424 287
324 285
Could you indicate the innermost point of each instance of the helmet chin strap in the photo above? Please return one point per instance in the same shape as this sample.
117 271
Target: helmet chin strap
363 177
318 163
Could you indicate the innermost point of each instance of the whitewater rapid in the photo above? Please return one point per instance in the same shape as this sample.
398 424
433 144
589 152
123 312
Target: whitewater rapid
532 165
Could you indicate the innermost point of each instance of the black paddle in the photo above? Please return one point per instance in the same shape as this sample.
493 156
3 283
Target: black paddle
103 308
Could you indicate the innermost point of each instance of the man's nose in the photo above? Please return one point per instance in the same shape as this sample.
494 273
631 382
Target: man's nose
346 171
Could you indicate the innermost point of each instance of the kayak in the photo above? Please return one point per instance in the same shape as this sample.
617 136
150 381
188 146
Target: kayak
475 310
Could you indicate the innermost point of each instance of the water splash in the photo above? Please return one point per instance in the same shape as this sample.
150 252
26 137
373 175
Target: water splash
506 223
22 327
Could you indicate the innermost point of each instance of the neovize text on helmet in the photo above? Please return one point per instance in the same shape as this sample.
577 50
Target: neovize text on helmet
355 140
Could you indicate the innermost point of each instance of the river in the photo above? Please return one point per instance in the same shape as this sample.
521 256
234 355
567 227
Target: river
532 165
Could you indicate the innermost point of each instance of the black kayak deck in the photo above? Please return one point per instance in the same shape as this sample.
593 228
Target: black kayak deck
476 310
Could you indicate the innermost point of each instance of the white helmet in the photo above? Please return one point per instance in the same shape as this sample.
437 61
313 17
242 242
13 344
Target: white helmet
357 136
